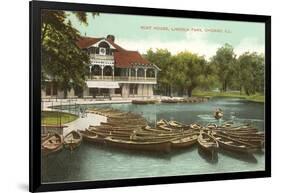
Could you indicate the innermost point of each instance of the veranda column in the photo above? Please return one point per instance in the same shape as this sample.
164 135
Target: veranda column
129 73
145 74
112 72
136 70
90 68
102 72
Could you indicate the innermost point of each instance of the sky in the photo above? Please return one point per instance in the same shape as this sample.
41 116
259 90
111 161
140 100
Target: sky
200 36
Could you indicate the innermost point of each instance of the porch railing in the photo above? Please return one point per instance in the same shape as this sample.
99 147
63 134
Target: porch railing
122 78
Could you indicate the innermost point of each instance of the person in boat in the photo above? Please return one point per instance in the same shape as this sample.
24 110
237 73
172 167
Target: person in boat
218 114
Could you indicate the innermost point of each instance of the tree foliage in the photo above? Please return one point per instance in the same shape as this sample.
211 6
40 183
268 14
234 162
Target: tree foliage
251 71
186 71
190 70
62 60
162 58
182 72
224 62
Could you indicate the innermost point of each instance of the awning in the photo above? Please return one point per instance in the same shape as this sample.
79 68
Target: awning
102 84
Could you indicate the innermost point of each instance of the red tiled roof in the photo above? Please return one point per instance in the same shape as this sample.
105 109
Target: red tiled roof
125 59
85 42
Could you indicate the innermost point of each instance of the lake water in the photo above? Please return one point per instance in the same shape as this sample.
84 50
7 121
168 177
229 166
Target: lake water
98 162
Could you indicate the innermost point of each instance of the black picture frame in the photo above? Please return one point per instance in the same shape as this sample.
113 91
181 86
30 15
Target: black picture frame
35 184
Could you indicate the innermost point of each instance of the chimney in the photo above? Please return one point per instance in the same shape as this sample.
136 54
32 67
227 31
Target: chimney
110 37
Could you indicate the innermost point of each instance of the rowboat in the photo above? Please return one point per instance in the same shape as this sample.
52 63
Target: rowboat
159 146
239 129
250 135
195 126
208 144
91 137
44 137
176 124
125 119
156 130
108 129
125 124
105 133
72 140
52 144
164 128
158 137
211 126
184 142
162 122
231 144
255 141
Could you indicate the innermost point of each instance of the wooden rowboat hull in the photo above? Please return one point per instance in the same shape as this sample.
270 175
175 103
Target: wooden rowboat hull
233 148
72 146
47 149
158 147
183 144
208 144
72 140
235 145
90 137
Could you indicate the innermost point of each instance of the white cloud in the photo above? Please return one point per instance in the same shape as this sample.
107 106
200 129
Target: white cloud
194 42
249 44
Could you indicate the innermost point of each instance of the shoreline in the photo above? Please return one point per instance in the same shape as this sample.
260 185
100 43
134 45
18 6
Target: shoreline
251 98
50 103
95 119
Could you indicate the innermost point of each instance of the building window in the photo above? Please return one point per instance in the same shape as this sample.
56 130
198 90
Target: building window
55 89
150 73
48 89
102 51
104 91
140 72
104 48
78 91
117 91
91 50
93 91
107 71
133 89
96 70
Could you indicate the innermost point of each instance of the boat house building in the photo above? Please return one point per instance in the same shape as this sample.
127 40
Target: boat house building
113 71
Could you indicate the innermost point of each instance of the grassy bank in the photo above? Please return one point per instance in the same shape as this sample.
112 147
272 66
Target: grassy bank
54 118
255 98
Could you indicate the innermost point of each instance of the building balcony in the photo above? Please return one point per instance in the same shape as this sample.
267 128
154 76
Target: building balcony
124 79
101 57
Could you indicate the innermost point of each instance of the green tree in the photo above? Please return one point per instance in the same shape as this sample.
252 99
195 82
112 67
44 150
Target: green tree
62 60
251 72
190 71
224 61
163 59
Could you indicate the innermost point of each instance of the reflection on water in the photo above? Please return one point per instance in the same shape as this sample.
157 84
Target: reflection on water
97 162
